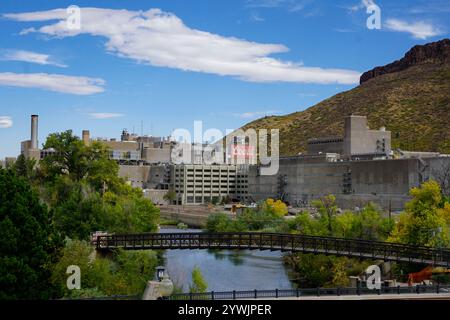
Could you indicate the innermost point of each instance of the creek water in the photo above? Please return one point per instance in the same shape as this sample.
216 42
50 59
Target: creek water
228 270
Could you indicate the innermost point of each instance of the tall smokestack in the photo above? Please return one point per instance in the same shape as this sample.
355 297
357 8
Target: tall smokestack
34 131
86 137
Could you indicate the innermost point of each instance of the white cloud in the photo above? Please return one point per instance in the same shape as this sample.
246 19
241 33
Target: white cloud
255 114
290 5
304 95
5 122
53 82
105 115
264 3
364 4
255 17
28 56
419 30
162 39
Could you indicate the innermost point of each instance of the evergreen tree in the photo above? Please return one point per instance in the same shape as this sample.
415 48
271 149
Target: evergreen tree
28 241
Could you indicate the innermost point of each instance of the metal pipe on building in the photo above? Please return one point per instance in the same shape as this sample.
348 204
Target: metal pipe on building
34 131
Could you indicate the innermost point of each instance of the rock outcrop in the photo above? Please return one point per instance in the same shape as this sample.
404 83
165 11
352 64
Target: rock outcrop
432 52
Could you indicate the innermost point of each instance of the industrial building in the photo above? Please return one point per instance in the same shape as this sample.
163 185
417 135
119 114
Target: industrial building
357 168
359 142
303 179
200 184
30 148
136 150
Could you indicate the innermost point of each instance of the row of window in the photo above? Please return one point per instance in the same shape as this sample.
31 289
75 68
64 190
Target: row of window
209 170
325 141
178 187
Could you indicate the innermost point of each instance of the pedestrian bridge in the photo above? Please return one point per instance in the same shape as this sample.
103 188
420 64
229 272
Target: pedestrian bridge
354 248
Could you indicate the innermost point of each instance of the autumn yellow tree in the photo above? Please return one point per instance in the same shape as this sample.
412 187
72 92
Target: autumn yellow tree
276 207
426 219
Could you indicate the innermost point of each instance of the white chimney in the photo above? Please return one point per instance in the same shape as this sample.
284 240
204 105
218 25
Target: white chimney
34 131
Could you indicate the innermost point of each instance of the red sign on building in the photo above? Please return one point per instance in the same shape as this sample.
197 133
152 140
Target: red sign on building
243 151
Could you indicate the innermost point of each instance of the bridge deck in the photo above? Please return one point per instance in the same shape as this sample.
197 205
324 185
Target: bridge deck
278 242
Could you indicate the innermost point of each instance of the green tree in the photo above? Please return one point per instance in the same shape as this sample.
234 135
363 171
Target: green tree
327 209
83 187
313 271
129 212
367 224
25 168
81 214
77 253
136 268
218 222
102 172
304 224
372 225
340 278
170 196
69 156
78 161
348 225
28 241
199 284
84 211
254 220
426 218
125 273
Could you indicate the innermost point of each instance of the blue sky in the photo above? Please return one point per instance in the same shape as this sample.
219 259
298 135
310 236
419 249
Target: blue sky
168 63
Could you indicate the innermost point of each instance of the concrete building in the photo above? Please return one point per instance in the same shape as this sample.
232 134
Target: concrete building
156 196
147 176
303 179
354 183
136 175
357 168
200 184
133 149
359 142
142 159
194 184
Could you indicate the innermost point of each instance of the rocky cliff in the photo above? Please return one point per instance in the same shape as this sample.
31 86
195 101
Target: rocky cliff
437 52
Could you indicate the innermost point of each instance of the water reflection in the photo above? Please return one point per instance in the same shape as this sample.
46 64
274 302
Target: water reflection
227 270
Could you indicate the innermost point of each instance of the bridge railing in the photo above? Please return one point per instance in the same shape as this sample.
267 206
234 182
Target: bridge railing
313 292
275 241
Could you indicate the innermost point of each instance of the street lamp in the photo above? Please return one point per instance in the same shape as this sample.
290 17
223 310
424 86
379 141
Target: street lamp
166 287
160 271
159 289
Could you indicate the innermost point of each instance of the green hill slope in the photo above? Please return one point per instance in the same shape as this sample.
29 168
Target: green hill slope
410 97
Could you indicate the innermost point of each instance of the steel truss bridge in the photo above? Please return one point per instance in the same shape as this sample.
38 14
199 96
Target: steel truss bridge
354 248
